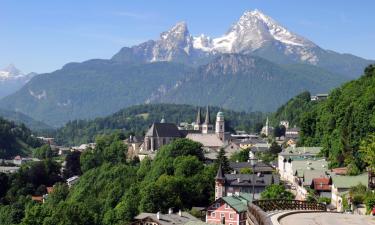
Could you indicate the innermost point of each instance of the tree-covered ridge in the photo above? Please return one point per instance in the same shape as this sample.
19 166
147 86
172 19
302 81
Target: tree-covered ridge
137 119
111 190
19 118
293 109
15 139
339 123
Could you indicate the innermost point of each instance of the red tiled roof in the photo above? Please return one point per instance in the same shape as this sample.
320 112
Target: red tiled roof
340 171
322 184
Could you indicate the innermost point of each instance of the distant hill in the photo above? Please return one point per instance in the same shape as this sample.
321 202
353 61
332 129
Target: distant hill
137 119
19 118
15 139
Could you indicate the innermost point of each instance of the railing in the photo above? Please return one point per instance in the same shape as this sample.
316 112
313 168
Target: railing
283 204
257 209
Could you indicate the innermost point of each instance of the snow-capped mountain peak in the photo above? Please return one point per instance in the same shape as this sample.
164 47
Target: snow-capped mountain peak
10 72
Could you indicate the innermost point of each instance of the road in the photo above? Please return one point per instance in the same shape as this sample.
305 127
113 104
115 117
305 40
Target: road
327 219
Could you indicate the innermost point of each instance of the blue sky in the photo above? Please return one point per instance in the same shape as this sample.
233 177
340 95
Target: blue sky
42 36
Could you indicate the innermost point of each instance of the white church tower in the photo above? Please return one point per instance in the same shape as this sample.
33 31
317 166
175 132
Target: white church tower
220 125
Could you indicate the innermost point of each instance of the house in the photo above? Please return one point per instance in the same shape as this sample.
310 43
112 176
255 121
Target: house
290 154
180 218
319 97
9 169
229 210
134 144
233 184
322 186
304 179
72 180
292 132
342 184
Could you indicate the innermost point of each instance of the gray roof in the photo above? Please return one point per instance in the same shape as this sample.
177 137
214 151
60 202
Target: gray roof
163 130
248 179
259 166
168 219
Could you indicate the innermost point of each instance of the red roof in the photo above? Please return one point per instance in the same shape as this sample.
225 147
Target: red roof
322 184
340 171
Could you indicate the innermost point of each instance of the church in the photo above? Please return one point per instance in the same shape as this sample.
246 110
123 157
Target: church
210 136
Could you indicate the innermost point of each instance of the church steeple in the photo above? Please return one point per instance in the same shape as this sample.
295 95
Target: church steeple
199 117
208 119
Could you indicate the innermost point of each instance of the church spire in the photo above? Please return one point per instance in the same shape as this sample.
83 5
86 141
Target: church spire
208 119
198 121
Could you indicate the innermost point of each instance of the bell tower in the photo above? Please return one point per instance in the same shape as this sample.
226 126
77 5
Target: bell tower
220 125
207 126
219 184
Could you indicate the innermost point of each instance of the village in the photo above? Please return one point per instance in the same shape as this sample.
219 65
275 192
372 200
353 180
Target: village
303 171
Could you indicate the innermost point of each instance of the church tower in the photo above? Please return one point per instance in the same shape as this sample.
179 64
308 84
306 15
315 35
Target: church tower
267 127
207 126
220 125
219 184
198 121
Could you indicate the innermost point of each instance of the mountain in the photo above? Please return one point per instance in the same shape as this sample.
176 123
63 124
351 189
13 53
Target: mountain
246 82
137 119
256 66
12 79
91 89
255 33
19 118
15 139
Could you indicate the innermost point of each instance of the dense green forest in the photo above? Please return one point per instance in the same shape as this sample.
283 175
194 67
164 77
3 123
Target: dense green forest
293 110
15 139
137 119
111 190
340 124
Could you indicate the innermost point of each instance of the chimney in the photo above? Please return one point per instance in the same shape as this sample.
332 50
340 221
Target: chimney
170 211
158 215
180 212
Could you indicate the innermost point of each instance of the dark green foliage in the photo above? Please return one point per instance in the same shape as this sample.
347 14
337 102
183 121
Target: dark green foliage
72 166
275 148
15 139
44 152
339 123
109 148
293 110
276 191
279 131
222 160
137 119
240 156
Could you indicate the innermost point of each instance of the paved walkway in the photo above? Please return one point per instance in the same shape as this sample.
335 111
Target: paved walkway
327 219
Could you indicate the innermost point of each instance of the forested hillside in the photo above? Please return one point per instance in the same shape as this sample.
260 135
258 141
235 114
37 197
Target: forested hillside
111 189
340 123
137 119
293 110
15 139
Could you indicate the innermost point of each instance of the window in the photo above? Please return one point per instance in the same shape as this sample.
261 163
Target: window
213 215
217 205
231 216
226 206
222 215
231 224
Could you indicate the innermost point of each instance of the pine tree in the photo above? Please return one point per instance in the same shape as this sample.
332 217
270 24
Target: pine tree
222 160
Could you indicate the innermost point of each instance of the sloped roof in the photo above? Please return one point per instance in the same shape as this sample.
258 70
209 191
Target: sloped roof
292 151
163 130
321 184
238 202
350 181
207 140
259 166
246 180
